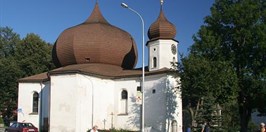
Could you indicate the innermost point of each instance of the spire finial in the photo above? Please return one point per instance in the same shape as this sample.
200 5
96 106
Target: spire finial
161 2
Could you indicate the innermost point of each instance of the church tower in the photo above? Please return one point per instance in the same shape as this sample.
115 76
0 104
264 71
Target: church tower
161 45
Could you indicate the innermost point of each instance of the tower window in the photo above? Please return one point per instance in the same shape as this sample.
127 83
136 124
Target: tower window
35 102
154 62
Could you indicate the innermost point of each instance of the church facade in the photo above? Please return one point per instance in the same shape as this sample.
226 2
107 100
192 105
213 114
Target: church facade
95 82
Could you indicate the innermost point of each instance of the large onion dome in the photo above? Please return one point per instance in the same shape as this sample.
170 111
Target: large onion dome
95 41
161 28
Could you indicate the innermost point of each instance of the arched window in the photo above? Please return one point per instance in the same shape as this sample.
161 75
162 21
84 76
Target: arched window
154 62
123 102
35 102
124 94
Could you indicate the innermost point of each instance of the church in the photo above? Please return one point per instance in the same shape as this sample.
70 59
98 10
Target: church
96 82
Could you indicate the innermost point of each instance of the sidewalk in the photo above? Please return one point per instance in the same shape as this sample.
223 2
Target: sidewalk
2 129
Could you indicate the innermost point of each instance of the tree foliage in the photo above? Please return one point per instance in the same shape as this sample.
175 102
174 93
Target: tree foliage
8 41
19 58
227 62
33 55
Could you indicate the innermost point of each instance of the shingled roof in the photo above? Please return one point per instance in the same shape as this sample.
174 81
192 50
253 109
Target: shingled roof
95 41
161 28
93 69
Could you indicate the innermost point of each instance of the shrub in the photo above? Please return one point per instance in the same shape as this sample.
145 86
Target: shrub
2 124
1 120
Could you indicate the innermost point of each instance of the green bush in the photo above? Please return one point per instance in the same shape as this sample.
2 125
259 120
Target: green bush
1 120
2 123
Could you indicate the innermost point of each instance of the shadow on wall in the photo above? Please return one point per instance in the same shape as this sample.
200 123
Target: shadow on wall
136 112
171 104
160 107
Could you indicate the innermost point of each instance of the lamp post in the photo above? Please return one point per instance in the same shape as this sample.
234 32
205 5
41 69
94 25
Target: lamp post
124 5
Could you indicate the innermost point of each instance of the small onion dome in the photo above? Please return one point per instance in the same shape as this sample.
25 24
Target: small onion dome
95 41
162 28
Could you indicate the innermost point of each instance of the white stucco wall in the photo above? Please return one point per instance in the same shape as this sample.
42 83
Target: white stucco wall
44 103
76 102
173 86
155 106
25 100
63 103
157 115
131 120
103 104
80 102
162 104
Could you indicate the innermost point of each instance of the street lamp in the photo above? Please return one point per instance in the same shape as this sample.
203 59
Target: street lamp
124 5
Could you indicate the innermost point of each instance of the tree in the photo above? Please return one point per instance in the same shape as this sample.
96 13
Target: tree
9 71
8 41
205 86
34 55
19 58
227 62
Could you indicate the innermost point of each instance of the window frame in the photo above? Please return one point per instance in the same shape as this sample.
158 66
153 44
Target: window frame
154 62
35 102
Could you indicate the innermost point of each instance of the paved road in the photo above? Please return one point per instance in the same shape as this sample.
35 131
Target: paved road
2 129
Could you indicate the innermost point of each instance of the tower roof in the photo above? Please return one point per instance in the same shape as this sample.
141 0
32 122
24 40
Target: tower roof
96 16
95 41
162 28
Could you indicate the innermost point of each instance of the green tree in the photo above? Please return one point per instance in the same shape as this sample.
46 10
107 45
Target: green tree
8 41
9 71
34 55
19 58
205 85
227 62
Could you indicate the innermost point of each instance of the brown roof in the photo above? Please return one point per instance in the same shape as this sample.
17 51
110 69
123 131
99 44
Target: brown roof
103 70
93 69
161 28
95 41
35 78
96 16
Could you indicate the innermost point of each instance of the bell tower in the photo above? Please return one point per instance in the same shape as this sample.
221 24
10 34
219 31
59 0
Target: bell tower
162 46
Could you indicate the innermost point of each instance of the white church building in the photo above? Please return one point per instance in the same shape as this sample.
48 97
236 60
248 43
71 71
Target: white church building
96 82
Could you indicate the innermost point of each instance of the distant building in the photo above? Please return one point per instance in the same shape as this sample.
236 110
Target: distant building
95 82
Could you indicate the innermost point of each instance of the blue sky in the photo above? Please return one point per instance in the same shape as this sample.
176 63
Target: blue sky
48 18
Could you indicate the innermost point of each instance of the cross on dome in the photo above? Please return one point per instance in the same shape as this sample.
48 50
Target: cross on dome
161 2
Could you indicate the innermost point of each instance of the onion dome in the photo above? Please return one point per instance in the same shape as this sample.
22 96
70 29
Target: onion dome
162 28
95 41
